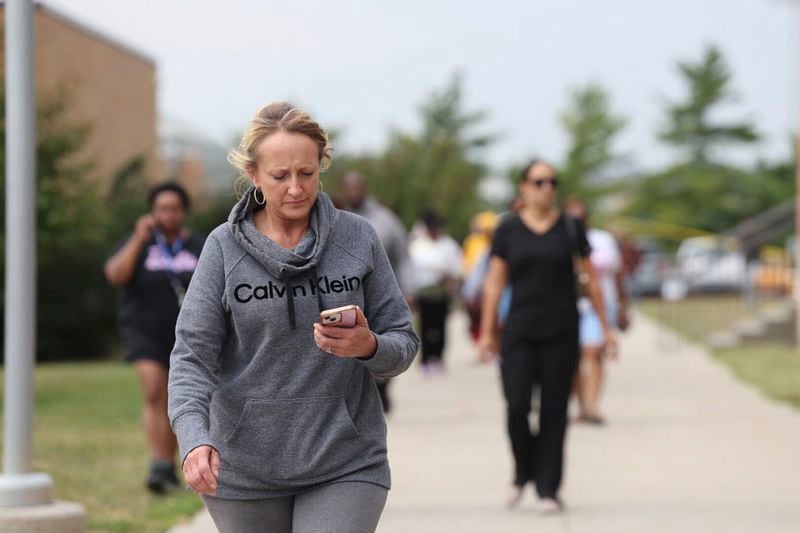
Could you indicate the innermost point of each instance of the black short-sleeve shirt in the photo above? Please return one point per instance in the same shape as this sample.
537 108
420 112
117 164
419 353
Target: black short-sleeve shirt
542 277
148 305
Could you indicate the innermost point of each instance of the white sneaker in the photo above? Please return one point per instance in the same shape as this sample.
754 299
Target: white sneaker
548 506
515 496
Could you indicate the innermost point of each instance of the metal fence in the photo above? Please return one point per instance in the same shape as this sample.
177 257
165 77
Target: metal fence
723 290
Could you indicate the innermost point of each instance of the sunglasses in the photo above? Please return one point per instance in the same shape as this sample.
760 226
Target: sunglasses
540 183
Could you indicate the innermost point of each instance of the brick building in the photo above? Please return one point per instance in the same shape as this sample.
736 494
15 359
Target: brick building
109 86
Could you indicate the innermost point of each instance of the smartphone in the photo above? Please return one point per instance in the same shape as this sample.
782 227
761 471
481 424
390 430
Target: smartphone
342 317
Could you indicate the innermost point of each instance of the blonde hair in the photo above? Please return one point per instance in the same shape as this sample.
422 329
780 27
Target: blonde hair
272 118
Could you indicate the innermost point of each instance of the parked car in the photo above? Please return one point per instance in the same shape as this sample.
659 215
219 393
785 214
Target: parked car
651 271
711 264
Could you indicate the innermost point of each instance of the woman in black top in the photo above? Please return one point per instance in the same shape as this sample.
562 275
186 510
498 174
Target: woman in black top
152 268
534 251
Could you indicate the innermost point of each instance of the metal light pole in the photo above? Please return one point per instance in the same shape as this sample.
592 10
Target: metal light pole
796 280
796 285
18 485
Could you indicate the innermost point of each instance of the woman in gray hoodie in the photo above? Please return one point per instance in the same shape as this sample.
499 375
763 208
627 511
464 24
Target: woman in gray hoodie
278 418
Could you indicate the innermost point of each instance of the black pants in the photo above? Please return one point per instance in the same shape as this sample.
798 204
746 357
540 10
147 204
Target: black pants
432 317
551 364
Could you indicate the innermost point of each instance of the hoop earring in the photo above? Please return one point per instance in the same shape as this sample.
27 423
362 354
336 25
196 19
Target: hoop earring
255 196
320 186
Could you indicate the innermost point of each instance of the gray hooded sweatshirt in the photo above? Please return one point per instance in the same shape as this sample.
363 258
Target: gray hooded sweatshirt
246 376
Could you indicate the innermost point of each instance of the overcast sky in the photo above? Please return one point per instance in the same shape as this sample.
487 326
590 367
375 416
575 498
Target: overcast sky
364 66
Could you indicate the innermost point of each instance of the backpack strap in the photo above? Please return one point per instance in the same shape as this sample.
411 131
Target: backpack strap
581 277
572 232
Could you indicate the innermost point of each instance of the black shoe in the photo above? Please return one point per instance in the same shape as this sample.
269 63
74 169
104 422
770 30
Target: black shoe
162 478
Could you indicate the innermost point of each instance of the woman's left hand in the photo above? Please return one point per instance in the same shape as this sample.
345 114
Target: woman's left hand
354 342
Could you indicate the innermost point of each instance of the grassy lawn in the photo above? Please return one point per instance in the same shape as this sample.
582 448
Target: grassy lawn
772 368
87 436
696 317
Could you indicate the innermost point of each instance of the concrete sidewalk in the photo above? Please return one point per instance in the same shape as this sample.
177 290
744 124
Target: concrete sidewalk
687 448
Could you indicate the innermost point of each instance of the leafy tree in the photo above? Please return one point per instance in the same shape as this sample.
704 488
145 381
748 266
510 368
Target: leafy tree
703 192
592 128
73 302
690 125
712 197
437 167
779 177
212 213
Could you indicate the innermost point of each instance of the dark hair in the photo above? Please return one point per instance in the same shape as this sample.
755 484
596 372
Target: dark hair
533 162
170 186
431 219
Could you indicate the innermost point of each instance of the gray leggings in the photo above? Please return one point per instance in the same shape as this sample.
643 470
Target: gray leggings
345 507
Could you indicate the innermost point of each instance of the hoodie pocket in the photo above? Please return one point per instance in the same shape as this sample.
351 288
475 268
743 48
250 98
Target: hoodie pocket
293 441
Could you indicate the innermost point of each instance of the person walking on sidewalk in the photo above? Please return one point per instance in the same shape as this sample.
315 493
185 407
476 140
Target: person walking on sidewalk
475 252
607 261
436 259
152 268
278 418
536 250
394 239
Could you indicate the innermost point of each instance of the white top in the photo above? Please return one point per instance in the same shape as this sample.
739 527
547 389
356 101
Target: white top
432 260
607 261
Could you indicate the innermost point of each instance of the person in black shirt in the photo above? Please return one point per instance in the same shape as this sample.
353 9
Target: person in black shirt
152 268
535 251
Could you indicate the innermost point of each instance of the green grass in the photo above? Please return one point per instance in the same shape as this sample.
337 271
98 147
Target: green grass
772 368
88 437
698 316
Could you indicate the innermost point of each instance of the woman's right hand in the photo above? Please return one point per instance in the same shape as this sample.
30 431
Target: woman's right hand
488 348
201 469
144 228
610 343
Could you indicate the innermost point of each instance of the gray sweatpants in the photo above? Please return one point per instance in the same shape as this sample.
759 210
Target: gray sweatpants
346 507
